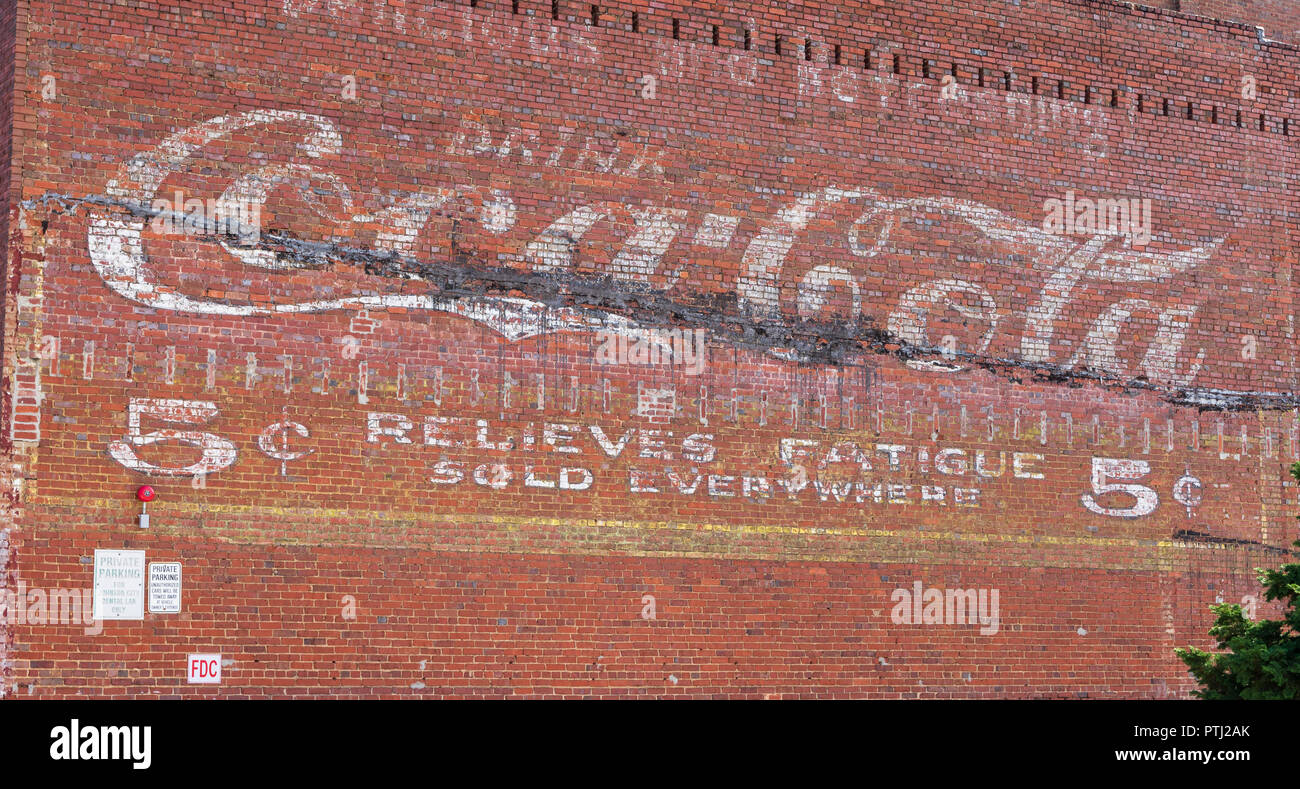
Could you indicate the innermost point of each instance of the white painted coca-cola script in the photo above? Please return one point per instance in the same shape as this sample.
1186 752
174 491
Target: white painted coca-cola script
117 249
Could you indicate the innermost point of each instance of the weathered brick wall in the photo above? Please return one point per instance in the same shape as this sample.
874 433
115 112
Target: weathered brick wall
398 453
1280 19
8 42
8 28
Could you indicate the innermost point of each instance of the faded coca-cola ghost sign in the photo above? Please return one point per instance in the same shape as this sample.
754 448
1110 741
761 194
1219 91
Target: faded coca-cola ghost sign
861 226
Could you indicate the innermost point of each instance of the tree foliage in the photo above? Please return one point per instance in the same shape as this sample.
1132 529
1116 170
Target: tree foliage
1262 659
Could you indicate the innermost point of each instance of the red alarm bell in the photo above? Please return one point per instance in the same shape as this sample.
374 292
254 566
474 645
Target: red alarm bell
146 494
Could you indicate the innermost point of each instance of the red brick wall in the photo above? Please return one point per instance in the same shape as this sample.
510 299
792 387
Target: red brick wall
1280 19
8 42
8 28
448 187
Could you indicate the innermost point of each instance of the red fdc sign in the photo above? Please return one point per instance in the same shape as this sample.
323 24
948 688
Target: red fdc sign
204 669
